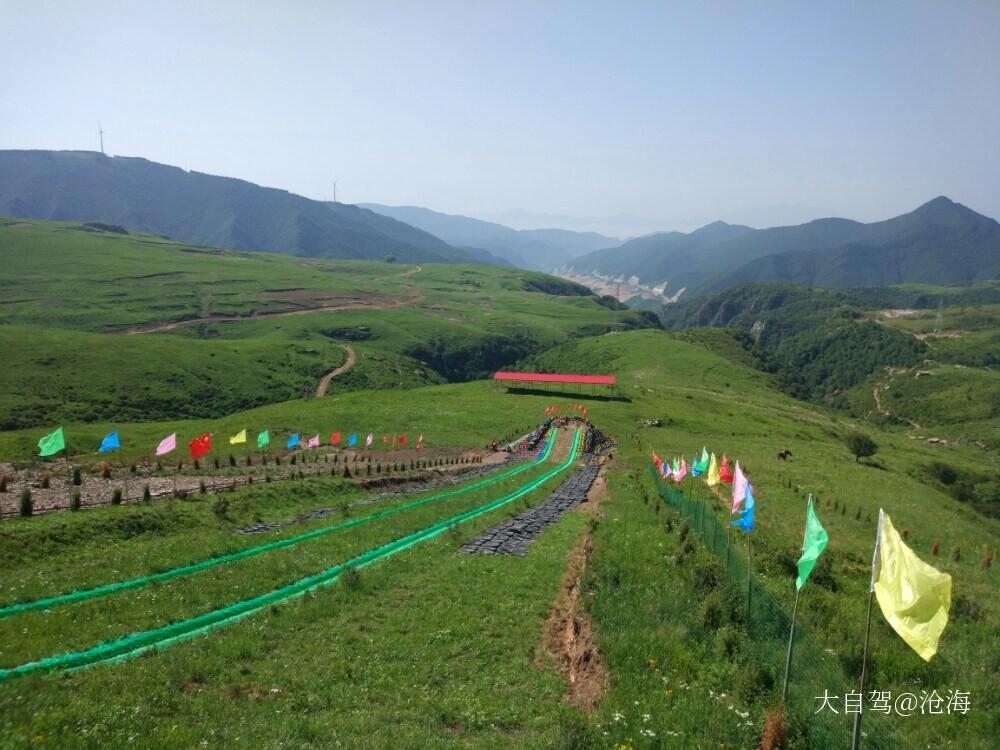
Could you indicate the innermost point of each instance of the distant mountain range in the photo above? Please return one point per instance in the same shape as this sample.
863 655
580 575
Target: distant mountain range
207 210
540 249
942 242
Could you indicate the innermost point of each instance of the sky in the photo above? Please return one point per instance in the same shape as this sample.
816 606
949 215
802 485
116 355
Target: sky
630 116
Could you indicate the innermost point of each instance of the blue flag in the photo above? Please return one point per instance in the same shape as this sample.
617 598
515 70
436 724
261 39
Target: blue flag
696 469
352 440
745 521
110 442
292 441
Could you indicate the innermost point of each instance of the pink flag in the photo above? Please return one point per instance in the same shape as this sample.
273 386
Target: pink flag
739 488
678 476
167 445
314 441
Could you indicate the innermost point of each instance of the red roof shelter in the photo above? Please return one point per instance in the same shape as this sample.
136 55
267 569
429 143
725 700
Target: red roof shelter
548 377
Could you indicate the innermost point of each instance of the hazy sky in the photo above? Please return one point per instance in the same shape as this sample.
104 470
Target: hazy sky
676 112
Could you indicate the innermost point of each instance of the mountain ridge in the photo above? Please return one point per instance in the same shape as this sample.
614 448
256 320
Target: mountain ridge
940 241
205 209
539 249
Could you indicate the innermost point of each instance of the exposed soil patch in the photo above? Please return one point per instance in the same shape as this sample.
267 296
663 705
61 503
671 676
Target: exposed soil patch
568 634
360 302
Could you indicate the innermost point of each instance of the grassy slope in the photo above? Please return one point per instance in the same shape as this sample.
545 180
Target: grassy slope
65 289
439 649
957 392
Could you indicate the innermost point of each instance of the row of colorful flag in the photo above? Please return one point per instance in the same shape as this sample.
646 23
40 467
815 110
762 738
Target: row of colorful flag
715 472
551 411
914 597
55 442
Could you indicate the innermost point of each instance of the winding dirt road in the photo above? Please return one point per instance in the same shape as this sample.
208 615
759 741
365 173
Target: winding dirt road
349 363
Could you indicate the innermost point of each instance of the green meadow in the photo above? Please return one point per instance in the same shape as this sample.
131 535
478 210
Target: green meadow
429 647
70 295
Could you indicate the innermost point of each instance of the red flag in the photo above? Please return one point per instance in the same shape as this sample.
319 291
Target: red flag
657 460
725 473
335 438
385 440
402 439
420 441
200 445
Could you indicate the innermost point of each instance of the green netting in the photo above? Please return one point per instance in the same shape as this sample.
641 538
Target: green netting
768 624
138 643
96 592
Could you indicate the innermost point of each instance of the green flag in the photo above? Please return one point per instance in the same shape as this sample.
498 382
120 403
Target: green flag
812 545
263 439
52 443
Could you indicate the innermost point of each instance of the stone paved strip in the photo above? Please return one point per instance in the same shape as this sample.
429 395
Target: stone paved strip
513 536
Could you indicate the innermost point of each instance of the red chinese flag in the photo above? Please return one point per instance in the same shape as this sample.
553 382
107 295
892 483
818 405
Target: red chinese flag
402 439
200 445
335 438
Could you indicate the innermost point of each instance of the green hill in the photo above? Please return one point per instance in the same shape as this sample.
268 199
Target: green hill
204 209
213 331
447 649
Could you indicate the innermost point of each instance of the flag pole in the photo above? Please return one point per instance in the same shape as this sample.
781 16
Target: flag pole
856 735
729 539
791 629
125 469
791 638
748 581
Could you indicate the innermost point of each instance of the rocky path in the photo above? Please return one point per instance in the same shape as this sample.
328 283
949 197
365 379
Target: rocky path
513 536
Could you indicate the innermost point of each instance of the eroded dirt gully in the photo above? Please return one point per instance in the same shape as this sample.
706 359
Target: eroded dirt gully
568 633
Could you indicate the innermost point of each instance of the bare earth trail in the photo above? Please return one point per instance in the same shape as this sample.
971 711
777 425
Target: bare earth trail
881 386
387 305
349 363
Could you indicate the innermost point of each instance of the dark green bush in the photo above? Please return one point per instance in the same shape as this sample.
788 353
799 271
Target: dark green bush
26 506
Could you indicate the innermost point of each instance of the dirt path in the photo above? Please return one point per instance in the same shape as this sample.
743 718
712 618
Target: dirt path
404 274
568 633
155 327
880 387
324 382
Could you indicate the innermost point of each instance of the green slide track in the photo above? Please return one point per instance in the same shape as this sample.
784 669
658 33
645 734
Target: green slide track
97 592
136 644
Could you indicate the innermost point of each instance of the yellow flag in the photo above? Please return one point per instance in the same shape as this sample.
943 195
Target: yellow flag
712 478
239 437
914 597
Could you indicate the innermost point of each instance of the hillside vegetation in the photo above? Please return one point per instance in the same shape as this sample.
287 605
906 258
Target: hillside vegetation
100 326
446 648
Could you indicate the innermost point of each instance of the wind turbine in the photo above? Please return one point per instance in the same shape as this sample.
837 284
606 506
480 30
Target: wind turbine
100 132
